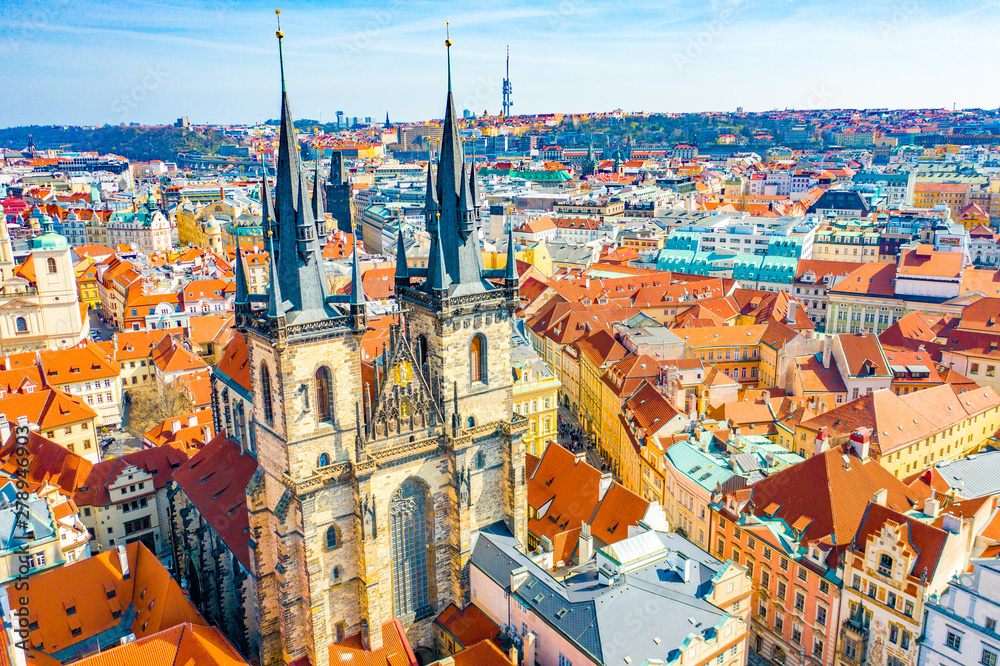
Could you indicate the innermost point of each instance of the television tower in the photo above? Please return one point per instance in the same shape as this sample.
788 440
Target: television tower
506 88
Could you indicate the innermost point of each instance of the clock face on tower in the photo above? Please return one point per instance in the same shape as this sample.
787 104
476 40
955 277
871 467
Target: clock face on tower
403 373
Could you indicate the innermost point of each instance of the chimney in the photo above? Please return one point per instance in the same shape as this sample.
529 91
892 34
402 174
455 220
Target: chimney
123 561
606 481
518 577
4 429
512 654
951 523
585 549
827 344
579 457
822 442
791 313
692 408
880 496
766 396
861 440
931 507
688 570
206 434
529 648
192 421
175 425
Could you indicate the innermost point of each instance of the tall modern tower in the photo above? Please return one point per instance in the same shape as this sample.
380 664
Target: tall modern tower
506 88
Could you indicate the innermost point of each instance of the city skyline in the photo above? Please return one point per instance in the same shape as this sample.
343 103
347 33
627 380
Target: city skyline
216 63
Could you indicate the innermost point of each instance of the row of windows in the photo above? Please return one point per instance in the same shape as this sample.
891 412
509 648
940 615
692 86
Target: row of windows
323 383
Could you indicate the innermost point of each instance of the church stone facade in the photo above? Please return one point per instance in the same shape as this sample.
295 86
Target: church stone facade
368 492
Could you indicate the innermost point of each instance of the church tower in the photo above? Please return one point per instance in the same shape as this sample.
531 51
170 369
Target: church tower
373 479
338 194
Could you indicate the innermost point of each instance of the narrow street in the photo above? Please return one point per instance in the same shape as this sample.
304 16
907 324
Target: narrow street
573 438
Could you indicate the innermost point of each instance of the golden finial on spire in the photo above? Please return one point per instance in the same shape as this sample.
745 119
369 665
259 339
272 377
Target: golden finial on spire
447 34
279 34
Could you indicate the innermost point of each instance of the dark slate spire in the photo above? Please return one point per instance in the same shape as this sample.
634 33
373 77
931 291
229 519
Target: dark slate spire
318 202
300 274
275 303
242 290
388 125
455 228
267 216
510 275
437 277
402 269
357 288
431 201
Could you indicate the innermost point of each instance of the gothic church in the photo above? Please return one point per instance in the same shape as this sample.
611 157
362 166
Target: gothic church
368 492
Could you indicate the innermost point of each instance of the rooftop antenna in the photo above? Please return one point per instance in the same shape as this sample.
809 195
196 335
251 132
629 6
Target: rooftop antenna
506 88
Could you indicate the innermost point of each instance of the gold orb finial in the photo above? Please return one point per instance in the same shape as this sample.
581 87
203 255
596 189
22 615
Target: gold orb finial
278 34
447 34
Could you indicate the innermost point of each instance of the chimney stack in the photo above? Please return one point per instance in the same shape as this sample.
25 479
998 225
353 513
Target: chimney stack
192 421
931 507
529 648
4 429
123 561
605 485
585 549
861 440
881 496
791 313
827 344
822 442
175 425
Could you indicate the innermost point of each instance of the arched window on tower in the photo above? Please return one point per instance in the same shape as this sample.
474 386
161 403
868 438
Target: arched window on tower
21 325
324 460
477 359
422 349
265 394
408 529
324 395
51 263
332 538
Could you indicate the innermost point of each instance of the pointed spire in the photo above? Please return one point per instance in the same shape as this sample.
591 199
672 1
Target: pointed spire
318 201
266 202
402 269
299 263
275 303
357 288
431 200
281 55
387 123
242 290
447 44
510 276
437 276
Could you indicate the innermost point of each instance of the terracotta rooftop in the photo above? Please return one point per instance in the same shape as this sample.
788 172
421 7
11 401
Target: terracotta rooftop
468 626
395 650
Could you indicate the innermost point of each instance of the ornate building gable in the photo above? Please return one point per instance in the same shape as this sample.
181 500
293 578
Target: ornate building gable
407 397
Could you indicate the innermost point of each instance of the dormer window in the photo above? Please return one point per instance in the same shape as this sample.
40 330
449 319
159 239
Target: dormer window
885 565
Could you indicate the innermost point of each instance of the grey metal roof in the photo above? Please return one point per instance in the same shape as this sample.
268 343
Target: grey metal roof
646 614
975 476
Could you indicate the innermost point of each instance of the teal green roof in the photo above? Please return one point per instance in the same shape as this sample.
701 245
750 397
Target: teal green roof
50 241
559 176
702 468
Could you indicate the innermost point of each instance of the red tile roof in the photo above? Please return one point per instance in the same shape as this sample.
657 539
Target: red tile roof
467 626
395 650
48 463
923 541
185 644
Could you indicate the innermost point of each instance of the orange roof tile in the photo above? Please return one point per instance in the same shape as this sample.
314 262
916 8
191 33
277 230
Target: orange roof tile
467 626
395 650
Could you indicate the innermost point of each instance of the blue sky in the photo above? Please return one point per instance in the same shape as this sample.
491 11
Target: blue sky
151 61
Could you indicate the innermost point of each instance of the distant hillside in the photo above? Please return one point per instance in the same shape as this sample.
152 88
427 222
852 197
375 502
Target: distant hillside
134 142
